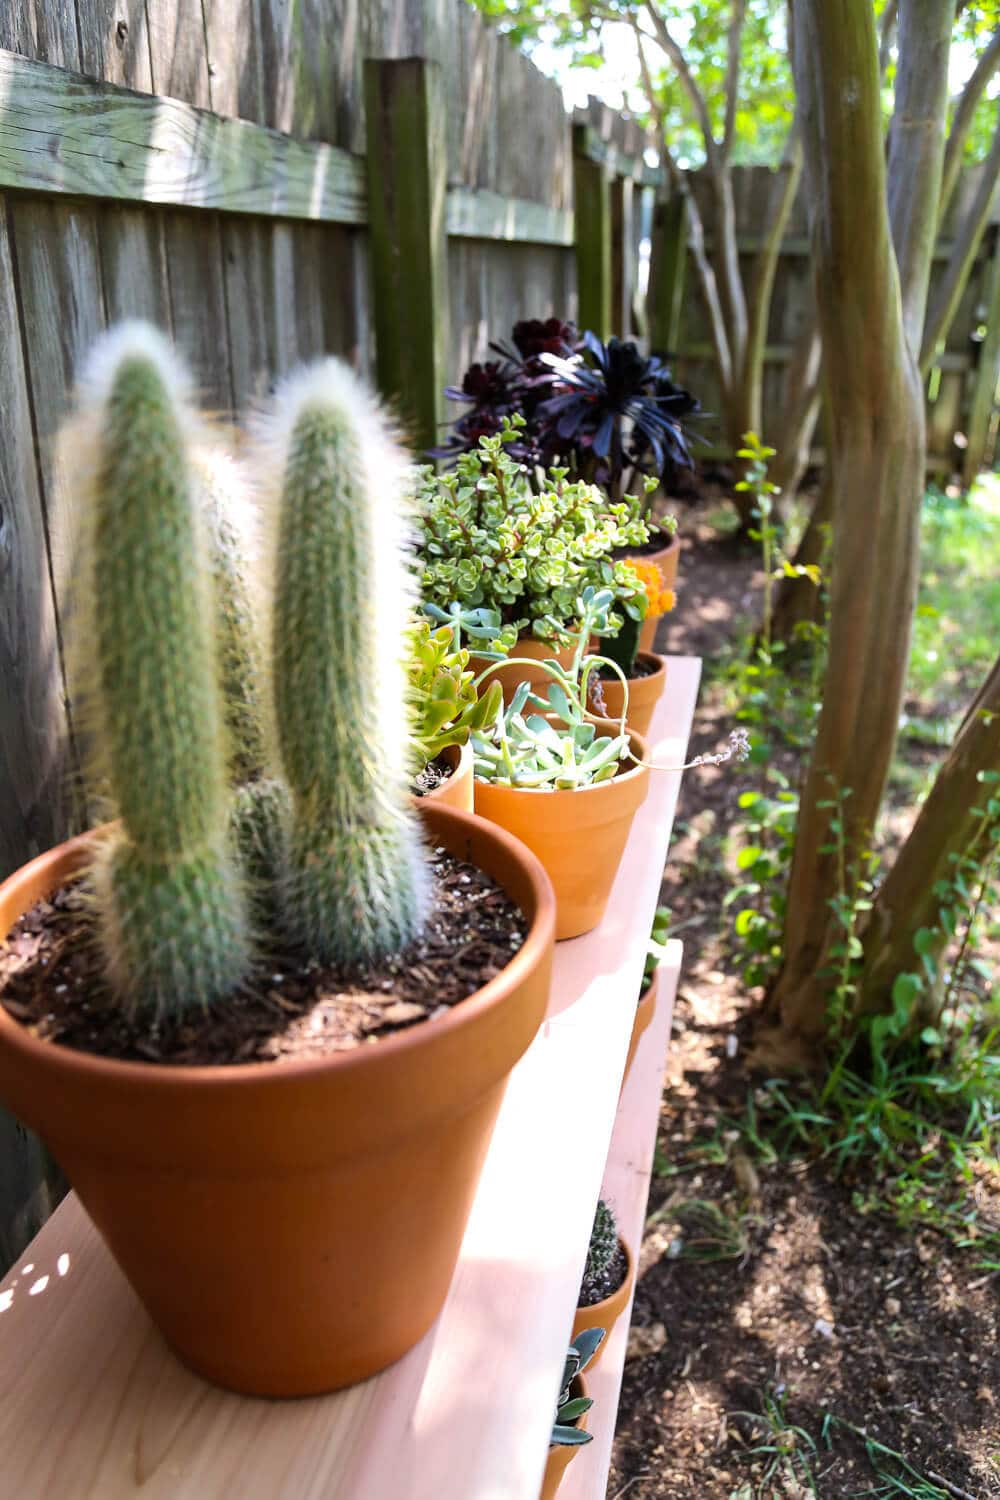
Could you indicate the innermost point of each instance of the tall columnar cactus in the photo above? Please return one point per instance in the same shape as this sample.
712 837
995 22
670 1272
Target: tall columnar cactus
171 909
335 483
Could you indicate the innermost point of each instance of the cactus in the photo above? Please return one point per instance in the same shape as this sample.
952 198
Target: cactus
603 1243
354 883
171 911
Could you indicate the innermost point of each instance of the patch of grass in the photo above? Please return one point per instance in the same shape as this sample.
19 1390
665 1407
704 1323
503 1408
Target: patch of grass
957 624
896 1476
787 1452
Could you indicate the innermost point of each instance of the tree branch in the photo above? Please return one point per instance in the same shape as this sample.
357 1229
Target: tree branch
696 229
965 109
687 79
765 269
734 42
916 150
887 26
967 240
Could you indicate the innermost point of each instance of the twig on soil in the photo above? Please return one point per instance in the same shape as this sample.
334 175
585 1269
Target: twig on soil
629 1483
953 1489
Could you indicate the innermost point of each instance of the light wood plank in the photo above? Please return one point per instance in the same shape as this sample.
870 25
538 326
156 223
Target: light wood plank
134 265
177 51
94 1407
479 214
114 42
61 133
626 1186
232 35
198 307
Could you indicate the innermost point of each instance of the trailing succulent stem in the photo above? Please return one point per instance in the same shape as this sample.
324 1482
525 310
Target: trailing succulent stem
353 887
171 910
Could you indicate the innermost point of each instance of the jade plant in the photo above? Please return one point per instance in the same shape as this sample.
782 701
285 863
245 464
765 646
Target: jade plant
486 539
553 743
442 690
354 883
170 906
570 1408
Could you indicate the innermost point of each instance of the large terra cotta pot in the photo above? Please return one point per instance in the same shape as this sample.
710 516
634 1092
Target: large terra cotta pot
579 835
644 693
291 1227
561 1454
605 1314
456 789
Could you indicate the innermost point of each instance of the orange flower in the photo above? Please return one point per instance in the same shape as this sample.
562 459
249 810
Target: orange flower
660 600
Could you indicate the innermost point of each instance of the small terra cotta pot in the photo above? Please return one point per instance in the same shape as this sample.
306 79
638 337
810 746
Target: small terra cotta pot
526 653
291 1227
560 1454
667 559
644 1012
606 1313
643 693
456 789
579 835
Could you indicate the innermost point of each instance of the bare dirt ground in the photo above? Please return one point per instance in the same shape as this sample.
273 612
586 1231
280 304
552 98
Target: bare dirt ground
776 1325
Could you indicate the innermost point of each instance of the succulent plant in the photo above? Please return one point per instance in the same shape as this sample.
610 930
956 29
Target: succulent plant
656 952
523 749
171 911
601 411
442 691
486 540
354 886
570 1408
603 1242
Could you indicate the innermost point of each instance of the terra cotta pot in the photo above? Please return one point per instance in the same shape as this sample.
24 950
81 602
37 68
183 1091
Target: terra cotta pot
643 694
560 1454
605 1314
291 1227
579 835
644 1012
456 789
522 668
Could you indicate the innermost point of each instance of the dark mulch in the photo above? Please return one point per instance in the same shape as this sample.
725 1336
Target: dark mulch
594 1289
766 1281
434 774
51 981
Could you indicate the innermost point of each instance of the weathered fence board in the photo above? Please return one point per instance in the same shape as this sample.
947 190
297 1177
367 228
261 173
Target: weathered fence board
114 42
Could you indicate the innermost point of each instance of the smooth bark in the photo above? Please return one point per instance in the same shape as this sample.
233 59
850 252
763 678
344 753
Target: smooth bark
946 827
965 109
876 423
916 149
956 274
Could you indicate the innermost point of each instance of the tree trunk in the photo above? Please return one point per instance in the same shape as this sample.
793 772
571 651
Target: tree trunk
797 601
956 275
876 463
946 827
916 149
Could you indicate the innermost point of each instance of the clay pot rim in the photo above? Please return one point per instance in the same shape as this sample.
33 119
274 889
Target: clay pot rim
638 746
623 1286
649 677
673 545
458 757
66 859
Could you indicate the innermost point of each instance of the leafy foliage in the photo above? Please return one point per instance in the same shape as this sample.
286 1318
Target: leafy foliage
604 412
445 705
487 540
656 951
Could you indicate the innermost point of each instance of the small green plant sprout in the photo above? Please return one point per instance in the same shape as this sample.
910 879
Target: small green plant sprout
776 565
486 539
656 950
569 1408
354 886
524 749
488 636
171 911
442 691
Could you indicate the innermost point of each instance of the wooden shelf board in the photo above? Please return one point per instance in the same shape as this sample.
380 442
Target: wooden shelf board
93 1406
626 1187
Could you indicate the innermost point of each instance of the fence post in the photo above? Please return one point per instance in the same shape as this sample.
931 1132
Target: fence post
407 169
592 235
666 273
987 374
